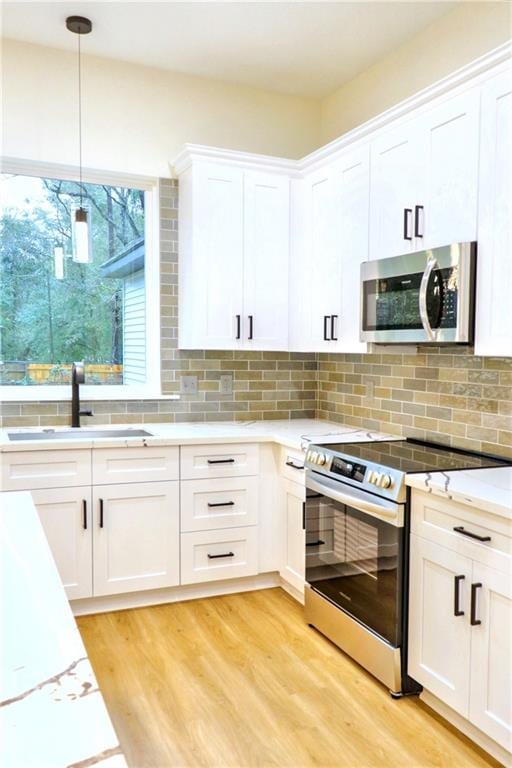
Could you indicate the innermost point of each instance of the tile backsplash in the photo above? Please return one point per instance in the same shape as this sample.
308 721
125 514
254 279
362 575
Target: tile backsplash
445 394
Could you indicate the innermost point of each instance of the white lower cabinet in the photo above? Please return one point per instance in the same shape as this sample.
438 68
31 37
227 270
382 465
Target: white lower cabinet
490 701
293 560
136 537
65 514
460 612
219 503
439 641
212 555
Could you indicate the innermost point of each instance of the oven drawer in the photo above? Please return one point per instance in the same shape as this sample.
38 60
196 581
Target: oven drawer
435 518
219 503
215 555
204 461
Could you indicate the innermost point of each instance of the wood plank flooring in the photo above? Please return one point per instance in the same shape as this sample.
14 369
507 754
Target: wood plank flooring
241 681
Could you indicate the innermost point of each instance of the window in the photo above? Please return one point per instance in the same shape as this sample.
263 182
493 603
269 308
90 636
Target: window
55 308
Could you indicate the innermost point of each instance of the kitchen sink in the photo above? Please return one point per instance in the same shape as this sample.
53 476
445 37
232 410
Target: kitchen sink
80 434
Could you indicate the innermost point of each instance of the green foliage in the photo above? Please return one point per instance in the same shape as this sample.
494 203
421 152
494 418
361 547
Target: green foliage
58 321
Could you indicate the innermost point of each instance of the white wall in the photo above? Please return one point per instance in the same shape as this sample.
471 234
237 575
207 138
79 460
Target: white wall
454 40
135 117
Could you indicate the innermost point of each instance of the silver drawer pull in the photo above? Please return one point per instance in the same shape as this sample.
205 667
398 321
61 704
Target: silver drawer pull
226 554
221 503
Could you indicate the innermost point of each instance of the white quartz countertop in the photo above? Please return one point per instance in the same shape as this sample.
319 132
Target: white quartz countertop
488 489
294 433
52 714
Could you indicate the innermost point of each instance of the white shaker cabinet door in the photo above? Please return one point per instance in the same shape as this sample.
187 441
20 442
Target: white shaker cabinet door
491 655
493 329
293 560
352 174
322 201
65 514
211 257
396 168
136 537
266 256
445 210
439 640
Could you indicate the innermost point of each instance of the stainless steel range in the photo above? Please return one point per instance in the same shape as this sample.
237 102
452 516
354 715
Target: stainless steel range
356 518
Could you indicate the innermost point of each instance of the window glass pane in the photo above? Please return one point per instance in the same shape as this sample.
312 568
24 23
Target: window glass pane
60 304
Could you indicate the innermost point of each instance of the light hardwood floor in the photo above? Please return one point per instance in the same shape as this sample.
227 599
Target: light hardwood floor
241 681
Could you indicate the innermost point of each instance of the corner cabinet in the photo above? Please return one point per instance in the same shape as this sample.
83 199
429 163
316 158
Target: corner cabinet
332 217
234 251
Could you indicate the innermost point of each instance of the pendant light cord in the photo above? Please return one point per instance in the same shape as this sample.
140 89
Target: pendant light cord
80 115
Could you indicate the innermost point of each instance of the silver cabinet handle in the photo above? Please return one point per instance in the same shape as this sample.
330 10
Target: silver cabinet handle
431 265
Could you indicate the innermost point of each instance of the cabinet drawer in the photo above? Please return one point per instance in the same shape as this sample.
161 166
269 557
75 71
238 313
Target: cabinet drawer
219 503
134 465
27 470
214 555
204 461
292 465
435 518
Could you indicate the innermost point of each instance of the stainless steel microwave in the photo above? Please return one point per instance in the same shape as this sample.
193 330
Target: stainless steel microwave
425 297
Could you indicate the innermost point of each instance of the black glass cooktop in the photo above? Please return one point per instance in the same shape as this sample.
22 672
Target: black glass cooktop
411 456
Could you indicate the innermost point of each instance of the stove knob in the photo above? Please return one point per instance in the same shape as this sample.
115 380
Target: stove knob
386 481
376 478
370 476
322 459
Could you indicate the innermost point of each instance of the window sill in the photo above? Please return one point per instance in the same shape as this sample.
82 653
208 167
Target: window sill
44 394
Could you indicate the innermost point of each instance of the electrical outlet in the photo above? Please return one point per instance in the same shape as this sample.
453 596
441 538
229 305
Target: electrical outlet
189 385
226 384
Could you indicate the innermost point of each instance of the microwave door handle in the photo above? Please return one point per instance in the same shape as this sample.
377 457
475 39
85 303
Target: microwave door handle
431 265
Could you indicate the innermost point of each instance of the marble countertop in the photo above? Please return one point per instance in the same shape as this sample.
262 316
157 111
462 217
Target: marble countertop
294 433
52 714
488 489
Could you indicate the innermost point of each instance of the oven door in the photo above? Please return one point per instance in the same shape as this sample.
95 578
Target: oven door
420 297
354 553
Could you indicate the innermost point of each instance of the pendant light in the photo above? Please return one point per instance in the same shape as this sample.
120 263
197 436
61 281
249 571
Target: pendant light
81 230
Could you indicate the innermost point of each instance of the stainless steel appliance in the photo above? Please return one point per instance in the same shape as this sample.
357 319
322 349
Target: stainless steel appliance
423 297
356 518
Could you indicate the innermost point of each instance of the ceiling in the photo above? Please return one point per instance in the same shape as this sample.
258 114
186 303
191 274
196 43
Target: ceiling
303 48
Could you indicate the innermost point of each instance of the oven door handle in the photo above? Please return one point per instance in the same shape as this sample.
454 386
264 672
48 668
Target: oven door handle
431 265
389 511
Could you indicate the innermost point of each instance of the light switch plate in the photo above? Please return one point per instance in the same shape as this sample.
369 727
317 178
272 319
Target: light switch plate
226 384
189 385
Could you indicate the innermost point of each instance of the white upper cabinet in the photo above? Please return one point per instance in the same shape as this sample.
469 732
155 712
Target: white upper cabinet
449 157
211 257
396 169
234 233
266 250
493 331
425 179
324 299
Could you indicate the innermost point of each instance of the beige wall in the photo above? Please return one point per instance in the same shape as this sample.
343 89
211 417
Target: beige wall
136 117
454 40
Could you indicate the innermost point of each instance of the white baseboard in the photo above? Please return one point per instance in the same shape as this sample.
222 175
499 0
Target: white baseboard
297 594
468 729
173 594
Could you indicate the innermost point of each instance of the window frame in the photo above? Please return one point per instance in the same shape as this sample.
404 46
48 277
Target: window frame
152 388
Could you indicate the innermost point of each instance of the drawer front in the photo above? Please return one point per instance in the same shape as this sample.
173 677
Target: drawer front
219 503
204 461
215 555
292 465
30 470
135 465
435 518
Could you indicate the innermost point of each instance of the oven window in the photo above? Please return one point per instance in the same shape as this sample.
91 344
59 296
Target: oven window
392 303
355 560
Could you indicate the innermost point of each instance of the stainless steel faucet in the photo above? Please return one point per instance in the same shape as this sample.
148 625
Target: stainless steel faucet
77 378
